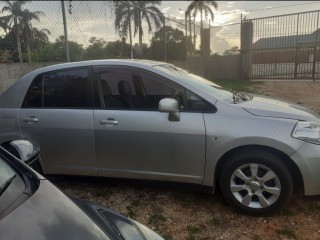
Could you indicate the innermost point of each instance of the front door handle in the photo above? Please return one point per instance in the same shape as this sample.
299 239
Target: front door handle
109 121
31 119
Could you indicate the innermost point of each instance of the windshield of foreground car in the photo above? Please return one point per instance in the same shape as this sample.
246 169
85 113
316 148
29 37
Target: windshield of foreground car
11 186
209 87
6 172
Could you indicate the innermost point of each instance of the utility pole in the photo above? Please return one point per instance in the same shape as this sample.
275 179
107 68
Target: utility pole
65 31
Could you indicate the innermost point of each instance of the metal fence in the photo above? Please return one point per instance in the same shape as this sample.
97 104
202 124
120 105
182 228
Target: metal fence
91 34
281 47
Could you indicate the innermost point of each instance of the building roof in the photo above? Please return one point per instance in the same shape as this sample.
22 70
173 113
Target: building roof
287 41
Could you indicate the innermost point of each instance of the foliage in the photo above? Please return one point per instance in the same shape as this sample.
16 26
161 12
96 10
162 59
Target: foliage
19 20
175 42
96 49
55 52
124 13
199 6
232 51
118 49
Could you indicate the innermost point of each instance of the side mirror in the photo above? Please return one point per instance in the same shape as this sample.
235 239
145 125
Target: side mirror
28 152
171 106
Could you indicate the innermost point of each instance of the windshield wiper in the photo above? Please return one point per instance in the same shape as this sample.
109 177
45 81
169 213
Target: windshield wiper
236 96
6 184
240 95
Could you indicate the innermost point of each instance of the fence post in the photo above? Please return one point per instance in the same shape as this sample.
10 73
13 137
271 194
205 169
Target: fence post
186 29
315 52
130 34
296 57
65 30
165 40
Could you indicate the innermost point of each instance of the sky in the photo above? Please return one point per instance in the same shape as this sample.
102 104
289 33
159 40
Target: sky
95 19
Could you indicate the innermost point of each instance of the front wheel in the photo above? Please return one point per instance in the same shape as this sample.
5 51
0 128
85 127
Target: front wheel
257 183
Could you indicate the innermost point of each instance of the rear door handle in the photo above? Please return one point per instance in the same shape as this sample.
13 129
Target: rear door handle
31 119
109 121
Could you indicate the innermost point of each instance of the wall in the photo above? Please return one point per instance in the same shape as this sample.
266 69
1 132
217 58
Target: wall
215 68
10 72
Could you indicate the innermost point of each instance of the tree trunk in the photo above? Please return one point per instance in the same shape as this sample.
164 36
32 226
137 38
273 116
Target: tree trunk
29 52
18 39
140 30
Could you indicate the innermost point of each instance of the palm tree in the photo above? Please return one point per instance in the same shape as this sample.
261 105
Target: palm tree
27 29
5 24
40 37
141 10
14 8
201 6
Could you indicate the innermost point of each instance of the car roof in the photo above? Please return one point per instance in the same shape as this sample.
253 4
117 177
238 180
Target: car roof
126 62
19 88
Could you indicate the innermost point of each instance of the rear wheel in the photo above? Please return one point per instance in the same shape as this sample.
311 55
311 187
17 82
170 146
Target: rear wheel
256 183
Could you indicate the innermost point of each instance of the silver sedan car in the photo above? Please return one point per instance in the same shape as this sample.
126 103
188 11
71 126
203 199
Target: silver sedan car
151 120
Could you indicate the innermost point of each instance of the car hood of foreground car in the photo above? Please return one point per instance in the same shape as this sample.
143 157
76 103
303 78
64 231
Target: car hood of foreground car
268 107
50 214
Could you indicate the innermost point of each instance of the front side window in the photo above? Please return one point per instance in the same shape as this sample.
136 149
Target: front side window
63 89
132 89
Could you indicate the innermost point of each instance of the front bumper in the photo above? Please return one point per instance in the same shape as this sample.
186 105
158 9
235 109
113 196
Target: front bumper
307 158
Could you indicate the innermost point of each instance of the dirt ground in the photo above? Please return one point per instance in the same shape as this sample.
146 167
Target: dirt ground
304 93
178 213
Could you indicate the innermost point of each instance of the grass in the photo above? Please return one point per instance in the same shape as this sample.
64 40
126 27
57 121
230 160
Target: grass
236 85
285 232
288 212
131 212
157 219
193 229
216 221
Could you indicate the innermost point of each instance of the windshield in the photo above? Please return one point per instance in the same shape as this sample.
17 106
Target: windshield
6 172
205 85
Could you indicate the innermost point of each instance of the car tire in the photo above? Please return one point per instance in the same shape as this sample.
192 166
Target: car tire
256 182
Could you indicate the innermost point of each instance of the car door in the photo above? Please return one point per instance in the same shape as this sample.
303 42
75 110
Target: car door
134 140
57 113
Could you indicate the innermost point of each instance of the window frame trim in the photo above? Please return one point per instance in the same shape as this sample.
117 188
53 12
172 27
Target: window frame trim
96 71
90 89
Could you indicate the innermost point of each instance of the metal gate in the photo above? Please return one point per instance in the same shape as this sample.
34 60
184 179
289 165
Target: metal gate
281 47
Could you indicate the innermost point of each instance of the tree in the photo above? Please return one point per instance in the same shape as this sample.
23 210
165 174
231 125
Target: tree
175 44
124 14
232 51
203 7
55 52
27 29
118 49
39 37
96 49
14 8
22 27
5 24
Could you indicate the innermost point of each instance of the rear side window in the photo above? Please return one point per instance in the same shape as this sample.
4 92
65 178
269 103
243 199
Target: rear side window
63 89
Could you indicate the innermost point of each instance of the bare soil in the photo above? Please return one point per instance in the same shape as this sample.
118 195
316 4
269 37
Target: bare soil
178 213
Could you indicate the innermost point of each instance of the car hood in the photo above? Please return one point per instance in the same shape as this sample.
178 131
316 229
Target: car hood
49 214
269 107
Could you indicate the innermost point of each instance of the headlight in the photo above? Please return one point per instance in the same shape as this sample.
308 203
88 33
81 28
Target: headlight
307 131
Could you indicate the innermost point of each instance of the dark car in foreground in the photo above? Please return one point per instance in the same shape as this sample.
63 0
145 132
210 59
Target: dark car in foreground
33 208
